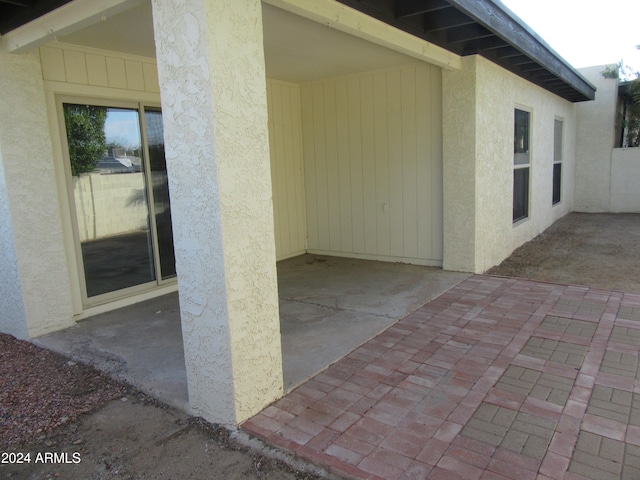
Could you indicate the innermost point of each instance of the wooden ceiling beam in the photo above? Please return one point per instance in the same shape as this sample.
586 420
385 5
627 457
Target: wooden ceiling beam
409 8
507 52
19 3
444 20
467 33
520 60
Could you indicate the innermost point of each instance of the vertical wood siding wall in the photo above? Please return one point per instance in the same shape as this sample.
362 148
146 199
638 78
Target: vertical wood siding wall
287 179
94 68
373 164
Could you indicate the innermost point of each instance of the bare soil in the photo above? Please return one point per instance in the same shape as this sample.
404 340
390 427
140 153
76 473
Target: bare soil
592 249
65 420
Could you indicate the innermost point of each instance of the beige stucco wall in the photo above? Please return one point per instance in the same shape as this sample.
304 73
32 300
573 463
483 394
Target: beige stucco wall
373 164
32 208
459 125
13 319
594 143
479 103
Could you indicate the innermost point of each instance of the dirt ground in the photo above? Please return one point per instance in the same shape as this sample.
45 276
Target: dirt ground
598 250
63 420
132 437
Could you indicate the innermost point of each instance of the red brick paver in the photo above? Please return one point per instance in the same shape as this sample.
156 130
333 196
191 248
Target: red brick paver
495 379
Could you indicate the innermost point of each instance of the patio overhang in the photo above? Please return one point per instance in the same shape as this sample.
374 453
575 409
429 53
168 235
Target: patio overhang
26 24
462 27
487 28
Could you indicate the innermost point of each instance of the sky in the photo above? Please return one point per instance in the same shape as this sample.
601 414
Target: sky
585 33
122 127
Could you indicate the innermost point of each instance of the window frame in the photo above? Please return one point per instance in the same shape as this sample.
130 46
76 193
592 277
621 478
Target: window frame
558 157
522 163
109 102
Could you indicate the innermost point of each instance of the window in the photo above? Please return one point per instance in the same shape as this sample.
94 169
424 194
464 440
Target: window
557 161
521 165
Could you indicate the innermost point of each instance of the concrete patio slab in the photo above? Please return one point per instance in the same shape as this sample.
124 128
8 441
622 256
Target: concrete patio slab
495 379
140 344
331 305
328 307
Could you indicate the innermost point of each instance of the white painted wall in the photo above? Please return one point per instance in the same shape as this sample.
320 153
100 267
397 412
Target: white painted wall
625 180
372 161
35 256
595 141
479 103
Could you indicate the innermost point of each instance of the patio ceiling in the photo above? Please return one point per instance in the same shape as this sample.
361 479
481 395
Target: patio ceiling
464 27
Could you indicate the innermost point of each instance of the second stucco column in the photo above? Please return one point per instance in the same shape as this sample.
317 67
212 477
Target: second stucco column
213 89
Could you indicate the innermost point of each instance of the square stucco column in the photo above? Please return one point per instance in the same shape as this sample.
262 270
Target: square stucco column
459 99
35 294
213 89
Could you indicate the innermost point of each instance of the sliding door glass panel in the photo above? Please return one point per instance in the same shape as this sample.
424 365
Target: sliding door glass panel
109 191
160 189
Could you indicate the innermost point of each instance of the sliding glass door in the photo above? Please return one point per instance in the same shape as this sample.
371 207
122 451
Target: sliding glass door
120 197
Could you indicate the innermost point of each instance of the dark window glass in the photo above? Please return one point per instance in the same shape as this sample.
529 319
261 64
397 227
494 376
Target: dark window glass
160 185
557 181
521 162
557 159
521 137
520 194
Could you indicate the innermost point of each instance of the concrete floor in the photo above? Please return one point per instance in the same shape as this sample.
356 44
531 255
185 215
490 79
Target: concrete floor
328 307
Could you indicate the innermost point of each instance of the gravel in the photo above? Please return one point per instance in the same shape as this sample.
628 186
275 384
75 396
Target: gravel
42 390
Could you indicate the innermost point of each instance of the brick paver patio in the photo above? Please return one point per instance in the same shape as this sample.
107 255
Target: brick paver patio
495 379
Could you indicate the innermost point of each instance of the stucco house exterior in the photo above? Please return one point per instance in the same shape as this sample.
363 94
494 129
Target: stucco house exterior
441 132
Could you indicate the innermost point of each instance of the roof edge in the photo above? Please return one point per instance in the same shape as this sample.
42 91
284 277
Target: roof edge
497 17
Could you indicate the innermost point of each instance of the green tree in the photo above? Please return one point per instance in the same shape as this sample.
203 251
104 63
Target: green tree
631 100
85 135
628 123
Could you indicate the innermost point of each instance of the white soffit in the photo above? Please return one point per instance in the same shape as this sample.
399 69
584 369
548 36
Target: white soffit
298 48
339 17
301 50
69 18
